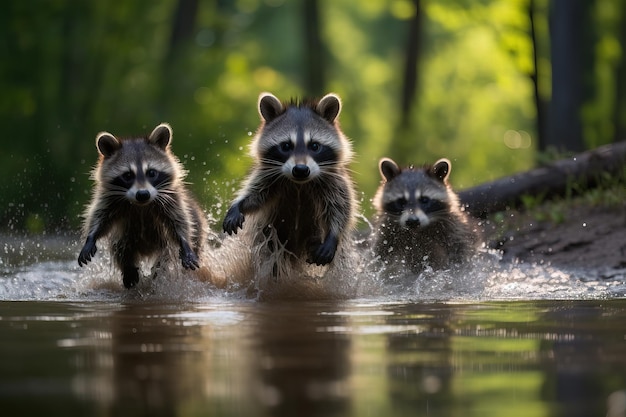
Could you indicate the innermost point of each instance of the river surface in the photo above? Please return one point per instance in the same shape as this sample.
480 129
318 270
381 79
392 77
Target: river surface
494 340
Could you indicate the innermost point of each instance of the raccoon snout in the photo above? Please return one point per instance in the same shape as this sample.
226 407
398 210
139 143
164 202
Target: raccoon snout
300 171
412 221
142 196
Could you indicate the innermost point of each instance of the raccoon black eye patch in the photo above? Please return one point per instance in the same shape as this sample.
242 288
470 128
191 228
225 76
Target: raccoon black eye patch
323 153
431 205
396 206
276 153
314 147
158 177
125 180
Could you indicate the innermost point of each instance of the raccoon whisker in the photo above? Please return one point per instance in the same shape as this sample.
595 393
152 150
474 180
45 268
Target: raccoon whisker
445 219
334 169
167 204
333 175
166 194
351 171
269 179
167 190
115 189
114 200
270 162
270 175
270 170
166 199
116 196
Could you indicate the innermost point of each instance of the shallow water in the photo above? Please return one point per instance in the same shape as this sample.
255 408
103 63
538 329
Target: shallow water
492 339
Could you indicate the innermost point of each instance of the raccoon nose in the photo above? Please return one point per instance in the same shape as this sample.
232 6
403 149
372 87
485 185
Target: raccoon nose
142 196
300 171
412 222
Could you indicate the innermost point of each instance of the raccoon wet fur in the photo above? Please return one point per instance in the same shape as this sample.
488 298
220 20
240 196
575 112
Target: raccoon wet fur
419 219
298 200
141 203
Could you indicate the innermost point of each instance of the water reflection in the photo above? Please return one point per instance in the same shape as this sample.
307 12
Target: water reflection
420 376
235 358
304 370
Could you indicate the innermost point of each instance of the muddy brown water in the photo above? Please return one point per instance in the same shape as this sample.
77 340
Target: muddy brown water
496 340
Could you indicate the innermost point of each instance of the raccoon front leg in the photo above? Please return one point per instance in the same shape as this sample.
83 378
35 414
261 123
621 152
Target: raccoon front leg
88 251
179 227
338 218
246 203
234 218
188 257
96 230
325 252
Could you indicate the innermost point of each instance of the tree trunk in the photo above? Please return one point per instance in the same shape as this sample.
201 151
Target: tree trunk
314 51
183 25
619 110
410 66
540 105
568 34
556 179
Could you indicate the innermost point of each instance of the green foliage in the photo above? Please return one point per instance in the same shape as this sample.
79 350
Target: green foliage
72 68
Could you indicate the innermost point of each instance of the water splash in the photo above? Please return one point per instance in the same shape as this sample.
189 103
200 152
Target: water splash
44 268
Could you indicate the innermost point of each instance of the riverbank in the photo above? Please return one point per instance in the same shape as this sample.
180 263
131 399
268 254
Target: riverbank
586 232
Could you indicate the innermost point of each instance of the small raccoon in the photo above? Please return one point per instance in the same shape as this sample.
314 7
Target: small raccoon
140 200
299 190
420 221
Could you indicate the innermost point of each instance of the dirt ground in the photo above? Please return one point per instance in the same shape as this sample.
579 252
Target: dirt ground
578 235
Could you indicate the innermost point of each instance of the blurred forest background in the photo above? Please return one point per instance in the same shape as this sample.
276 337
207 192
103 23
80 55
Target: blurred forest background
494 85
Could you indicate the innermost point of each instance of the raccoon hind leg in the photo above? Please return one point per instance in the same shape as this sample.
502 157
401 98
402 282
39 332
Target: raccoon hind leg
126 261
324 253
130 276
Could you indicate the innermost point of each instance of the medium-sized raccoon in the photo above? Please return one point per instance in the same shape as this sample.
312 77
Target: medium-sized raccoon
299 193
420 221
141 203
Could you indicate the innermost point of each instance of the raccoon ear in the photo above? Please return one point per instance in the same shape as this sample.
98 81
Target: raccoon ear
388 169
161 136
269 107
329 107
107 144
441 169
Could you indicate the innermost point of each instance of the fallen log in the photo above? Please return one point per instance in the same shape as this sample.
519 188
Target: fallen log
553 180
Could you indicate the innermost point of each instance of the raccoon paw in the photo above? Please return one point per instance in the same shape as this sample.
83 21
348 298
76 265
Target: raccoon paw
189 259
233 220
325 253
87 252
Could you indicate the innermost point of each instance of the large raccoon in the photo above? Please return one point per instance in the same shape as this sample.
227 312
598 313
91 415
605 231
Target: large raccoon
420 221
299 192
140 200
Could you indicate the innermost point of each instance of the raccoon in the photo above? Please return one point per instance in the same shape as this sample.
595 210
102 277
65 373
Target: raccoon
299 192
420 221
141 202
